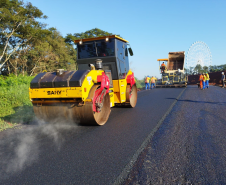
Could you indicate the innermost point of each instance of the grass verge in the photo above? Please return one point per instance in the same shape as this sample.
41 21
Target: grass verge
5 125
15 106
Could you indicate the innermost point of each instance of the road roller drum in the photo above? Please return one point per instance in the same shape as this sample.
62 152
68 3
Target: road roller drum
73 112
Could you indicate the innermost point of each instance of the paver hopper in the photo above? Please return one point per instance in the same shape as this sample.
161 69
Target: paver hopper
173 75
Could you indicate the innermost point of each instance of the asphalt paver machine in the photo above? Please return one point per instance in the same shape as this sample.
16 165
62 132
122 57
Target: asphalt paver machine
173 73
86 95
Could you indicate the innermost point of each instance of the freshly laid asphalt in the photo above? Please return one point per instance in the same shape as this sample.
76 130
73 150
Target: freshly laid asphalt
190 145
70 154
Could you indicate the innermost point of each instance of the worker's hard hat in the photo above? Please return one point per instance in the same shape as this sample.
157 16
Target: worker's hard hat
148 76
222 73
206 72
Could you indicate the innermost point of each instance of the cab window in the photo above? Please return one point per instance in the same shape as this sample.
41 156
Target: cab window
100 48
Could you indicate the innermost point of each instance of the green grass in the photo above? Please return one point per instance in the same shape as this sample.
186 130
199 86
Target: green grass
12 80
15 106
5 125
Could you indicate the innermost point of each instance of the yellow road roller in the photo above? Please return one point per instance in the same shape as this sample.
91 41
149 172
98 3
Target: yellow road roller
86 95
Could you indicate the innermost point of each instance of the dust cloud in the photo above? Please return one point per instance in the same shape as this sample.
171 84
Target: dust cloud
22 147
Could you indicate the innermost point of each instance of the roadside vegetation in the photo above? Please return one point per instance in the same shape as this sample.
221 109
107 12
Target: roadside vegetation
140 83
199 69
15 106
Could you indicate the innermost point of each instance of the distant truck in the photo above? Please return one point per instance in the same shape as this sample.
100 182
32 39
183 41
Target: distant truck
173 73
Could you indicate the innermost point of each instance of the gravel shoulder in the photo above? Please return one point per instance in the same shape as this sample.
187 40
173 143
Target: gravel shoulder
190 145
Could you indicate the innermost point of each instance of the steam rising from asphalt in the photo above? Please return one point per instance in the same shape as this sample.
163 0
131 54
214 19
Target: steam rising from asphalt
23 148
24 153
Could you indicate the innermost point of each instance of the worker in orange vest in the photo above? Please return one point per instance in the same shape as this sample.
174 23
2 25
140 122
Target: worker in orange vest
200 81
153 82
163 67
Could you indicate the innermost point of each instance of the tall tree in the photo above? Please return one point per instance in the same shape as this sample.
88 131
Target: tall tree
18 27
198 68
205 68
88 34
53 53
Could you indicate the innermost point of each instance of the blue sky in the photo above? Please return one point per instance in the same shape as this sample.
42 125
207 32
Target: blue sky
153 27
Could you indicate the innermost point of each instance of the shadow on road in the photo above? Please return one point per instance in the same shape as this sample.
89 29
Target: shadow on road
23 115
193 101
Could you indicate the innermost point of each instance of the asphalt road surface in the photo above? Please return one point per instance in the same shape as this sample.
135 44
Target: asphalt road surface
67 154
188 147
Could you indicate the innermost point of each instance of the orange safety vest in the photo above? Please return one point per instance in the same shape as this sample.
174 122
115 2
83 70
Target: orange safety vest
152 80
200 78
147 80
163 64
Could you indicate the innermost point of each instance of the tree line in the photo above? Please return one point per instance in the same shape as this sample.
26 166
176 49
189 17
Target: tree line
199 69
28 46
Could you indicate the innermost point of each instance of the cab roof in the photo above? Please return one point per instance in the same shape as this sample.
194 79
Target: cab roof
164 59
101 38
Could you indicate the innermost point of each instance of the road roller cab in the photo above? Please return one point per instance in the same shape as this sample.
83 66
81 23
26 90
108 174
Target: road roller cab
103 80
